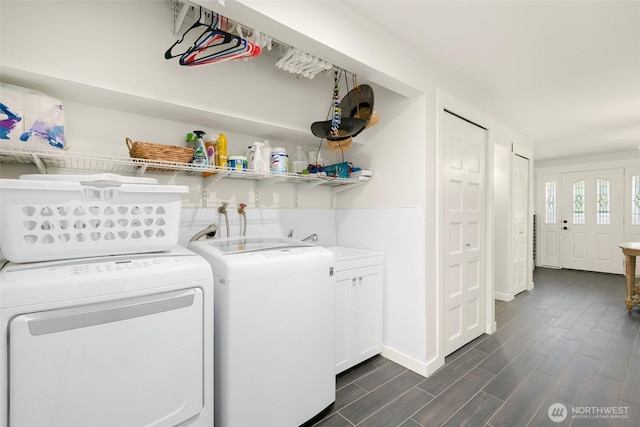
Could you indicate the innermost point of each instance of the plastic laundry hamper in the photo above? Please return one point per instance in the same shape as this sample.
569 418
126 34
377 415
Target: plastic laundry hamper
52 217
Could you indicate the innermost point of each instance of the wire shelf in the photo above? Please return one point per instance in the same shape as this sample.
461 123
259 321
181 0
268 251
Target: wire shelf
47 160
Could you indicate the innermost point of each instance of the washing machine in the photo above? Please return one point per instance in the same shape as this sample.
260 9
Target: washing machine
107 341
274 330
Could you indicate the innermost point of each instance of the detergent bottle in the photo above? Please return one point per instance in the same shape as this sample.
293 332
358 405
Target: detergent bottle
251 151
222 150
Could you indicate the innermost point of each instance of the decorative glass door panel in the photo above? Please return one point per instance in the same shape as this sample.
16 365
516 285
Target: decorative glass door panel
592 220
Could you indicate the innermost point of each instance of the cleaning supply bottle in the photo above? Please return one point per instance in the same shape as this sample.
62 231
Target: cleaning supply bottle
192 140
279 160
266 154
200 154
257 163
222 150
251 152
210 146
299 161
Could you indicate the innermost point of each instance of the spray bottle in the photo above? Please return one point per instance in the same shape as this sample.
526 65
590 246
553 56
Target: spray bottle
200 154
258 164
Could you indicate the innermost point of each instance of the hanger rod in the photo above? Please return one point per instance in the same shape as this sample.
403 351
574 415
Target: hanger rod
302 64
179 18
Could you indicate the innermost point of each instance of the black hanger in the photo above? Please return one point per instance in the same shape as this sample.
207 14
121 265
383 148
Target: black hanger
169 54
216 43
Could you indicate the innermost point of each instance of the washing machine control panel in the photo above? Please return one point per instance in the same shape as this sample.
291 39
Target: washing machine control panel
117 266
46 282
283 252
90 267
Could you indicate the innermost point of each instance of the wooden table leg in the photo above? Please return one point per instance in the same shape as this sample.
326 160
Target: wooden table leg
630 261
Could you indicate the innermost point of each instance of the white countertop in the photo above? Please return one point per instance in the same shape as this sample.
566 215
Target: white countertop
343 253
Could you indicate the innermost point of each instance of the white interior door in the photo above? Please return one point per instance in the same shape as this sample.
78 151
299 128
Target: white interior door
520 222
592 220
464 231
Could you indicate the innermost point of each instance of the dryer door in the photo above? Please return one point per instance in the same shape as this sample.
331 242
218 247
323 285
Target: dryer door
131 362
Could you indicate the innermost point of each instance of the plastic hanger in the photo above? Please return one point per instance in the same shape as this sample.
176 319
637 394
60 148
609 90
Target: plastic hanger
218 46
211 45
192 33
212 37
288 55
242 49
310 73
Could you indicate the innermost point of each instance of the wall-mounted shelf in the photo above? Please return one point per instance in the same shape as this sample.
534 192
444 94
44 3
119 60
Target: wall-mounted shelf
49 161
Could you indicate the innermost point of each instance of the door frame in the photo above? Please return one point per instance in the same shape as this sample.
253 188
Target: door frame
453 105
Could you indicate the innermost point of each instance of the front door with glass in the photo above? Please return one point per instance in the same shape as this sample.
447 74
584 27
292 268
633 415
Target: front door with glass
592 220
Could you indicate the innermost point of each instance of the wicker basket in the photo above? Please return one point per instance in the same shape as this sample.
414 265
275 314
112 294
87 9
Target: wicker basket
160 152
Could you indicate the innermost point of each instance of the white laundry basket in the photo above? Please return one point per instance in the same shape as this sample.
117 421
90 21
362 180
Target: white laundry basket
51 217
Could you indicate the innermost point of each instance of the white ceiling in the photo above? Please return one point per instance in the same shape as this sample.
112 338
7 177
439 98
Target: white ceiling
564 73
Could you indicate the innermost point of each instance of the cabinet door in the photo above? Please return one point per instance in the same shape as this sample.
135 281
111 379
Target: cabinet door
367 309
344 320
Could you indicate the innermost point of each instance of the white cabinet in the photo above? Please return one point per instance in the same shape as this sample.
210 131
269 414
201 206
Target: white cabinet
358 308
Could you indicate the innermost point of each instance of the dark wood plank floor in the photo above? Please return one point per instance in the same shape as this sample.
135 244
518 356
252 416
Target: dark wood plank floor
569 342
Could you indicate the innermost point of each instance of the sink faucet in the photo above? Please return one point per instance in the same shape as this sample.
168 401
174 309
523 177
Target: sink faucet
313 237
210 231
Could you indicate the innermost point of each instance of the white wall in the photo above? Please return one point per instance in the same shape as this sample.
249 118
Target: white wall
397 232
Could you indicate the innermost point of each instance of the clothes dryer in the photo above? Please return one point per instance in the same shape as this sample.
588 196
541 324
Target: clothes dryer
109 341
274 330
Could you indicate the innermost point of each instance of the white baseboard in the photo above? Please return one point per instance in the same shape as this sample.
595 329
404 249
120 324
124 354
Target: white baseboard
503 296
417 366
492 327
